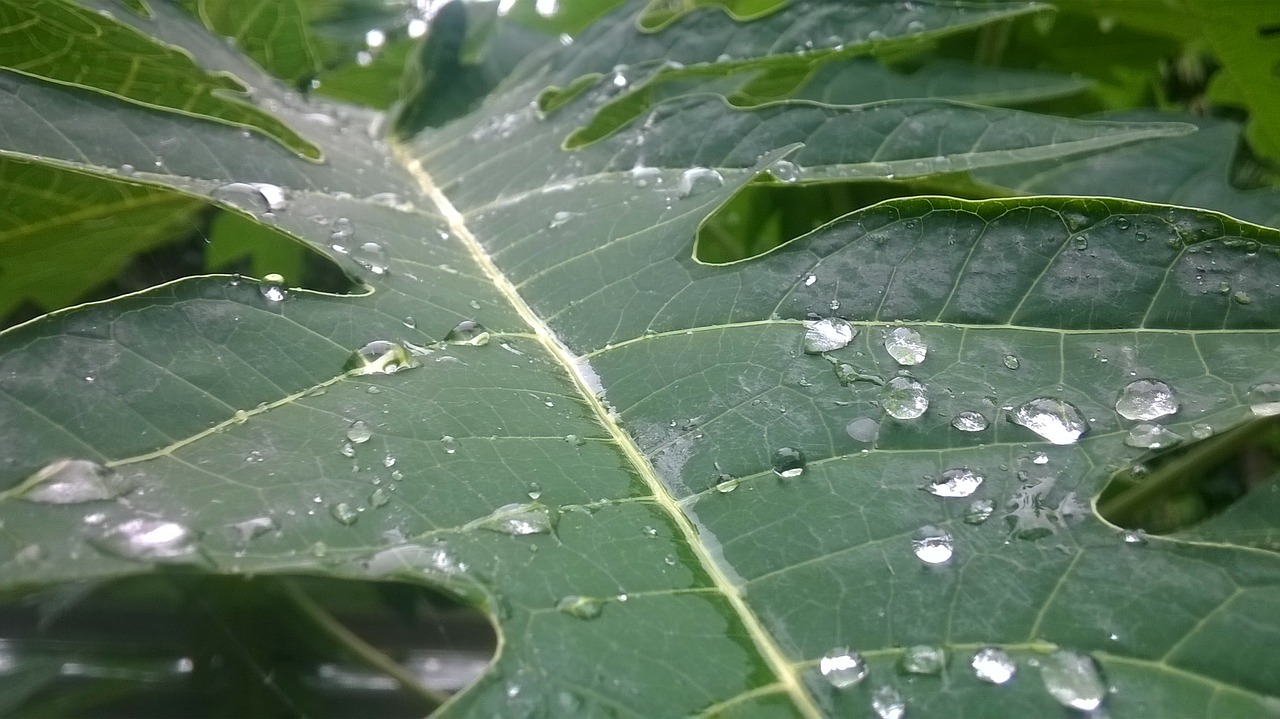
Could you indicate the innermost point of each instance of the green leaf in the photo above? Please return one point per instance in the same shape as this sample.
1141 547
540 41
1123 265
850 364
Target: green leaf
607 462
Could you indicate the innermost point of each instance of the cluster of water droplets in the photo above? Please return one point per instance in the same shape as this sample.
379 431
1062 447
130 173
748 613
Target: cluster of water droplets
372 256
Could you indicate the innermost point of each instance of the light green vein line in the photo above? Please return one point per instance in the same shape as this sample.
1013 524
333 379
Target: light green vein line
718 709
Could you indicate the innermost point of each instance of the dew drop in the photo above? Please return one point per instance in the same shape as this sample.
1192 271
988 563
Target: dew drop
1264 399
955 483
932 545
73 481
145 540
559 219
788 462
969 421
1040 458
904 398
1201 431
535 490
1151 436
1012 362
380 357
1053 419
372 256
1073 680
449 443
863 429
905 346
827 335
785 171
249 196
436 558
344 513
1146 399
379 498
251 529
979 511
359 432
127 170
993 665
887 703
469 333
726 483
923 659
697 180
518 520
272 288
580 607
842 668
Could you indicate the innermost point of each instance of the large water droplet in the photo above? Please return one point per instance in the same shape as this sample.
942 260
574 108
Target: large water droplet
863 429
256 198
842 668
1146 399
905 346
344 513
251 529
904 398
576 605
932 545
1057 421
372 256
72 481
697 180
785 171
1073 680
923 659
1151 436
827 335
959 482
887 703
414 559
1264 399
788 462
993 665
467 332
1012 362
380 357
359 432
979 511
145 540
272 288
518 520
968 421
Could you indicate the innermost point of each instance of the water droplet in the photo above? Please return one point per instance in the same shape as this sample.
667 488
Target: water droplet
145 539
968 421
372 256
344 513
469 333
923 659
726 483
932 545
863 429
887 703
1151 436
785 171
827 335
842 668
415 559
1073 680
993 665
72 481
1264 399
347 450
518 520
255 198
379 498
904 398
1053 419
1135 537
847 374
449 443
1012 362
697 180
535 490
1201 431
955 483
127 170
389 461
359 432
559 219
272 288
641 176
251 529
380 357
1040 458
1146 399
580 607
905 346
788 462
979 511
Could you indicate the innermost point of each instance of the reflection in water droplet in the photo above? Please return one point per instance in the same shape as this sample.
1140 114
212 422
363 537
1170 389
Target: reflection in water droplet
1264 399
904 398
72 481
959 482
979 511
993 665
1146 399
1073 680
380 357
827 335
923 659
469 333
145 540
788 462
576 605
372 256
932 545
887 703
1151 436
905 346
698 180
968 421
1012 362
359 432
344 513
843 668
518 520
272 288
863 429
1053 419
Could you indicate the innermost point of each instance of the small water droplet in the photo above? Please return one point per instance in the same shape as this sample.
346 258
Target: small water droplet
518 520
449 443
923 659
1264 399
272 288
127 170
1040 458
905 346
726 483
827 335
469 333
255 198
969 421
580 607
697 180
1151 436
863 429
842 668
73 481
1146 399
959 482
1137 537
372 256
1012 362
347 450
1242 298
887 703
1073 680
1053 419
344 513
380 357
932 545
785 171
359 432
535 490
788 462
379 498
559 219
145 539
1201 431
904 398
979 511
993 665
251 529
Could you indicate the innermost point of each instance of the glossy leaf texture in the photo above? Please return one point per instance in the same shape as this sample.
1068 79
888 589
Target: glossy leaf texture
678 488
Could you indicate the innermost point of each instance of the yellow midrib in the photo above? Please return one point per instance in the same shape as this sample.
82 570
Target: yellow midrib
764 643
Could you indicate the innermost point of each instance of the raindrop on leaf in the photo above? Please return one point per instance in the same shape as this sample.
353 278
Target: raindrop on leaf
1053 419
